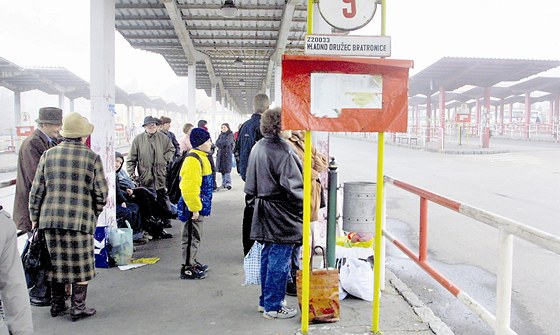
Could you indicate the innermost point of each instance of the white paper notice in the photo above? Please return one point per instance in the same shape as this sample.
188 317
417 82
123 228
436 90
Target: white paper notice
130 266
330 92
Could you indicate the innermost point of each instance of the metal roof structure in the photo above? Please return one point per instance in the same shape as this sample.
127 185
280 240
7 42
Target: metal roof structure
195 31
452 73
8 69
543 84
51 80
58 80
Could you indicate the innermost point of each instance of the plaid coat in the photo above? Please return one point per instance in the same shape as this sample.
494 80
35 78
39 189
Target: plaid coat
69 190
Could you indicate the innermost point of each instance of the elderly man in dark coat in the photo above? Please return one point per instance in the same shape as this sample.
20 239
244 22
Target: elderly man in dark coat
43 138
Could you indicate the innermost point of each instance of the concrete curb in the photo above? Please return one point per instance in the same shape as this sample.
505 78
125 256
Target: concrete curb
466 151
458 151
424 312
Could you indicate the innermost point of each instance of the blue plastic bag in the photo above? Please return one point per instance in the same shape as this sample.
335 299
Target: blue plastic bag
101 247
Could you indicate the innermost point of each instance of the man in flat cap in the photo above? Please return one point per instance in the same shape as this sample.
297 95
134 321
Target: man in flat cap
165 125
44 137
149 155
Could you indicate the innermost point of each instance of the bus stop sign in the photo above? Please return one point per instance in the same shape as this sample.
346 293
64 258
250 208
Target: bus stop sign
347 14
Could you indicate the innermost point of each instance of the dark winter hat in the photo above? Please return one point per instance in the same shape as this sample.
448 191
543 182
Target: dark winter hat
150 119
199 136
51 115
118 154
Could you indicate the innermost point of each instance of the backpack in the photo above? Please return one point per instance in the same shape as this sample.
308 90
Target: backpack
173 179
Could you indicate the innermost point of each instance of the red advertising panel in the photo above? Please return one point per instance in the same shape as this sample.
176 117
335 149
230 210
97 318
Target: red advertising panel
24 130
466 118
344 94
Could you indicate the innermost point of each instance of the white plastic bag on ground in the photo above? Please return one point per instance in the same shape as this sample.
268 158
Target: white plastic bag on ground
356 278
355 264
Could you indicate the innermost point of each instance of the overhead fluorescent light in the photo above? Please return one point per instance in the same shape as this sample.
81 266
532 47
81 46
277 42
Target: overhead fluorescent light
229 9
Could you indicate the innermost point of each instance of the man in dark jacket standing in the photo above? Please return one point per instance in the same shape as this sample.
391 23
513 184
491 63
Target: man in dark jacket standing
249 134
275 183
42 138
165 125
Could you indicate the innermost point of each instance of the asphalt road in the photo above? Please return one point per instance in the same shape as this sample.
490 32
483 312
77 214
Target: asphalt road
523 184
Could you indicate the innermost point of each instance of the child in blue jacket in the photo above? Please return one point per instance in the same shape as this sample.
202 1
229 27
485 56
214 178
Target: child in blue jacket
196 201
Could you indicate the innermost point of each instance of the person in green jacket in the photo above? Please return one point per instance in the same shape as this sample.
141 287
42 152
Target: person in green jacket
149 155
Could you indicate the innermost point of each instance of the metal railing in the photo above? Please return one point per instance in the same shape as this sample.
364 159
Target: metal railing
7 183
507 229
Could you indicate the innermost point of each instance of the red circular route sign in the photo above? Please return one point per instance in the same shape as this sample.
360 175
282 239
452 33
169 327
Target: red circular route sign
347 14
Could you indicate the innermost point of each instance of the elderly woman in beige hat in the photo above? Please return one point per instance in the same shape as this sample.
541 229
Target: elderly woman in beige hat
68 194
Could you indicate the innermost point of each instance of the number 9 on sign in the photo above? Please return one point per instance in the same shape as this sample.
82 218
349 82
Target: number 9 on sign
347 14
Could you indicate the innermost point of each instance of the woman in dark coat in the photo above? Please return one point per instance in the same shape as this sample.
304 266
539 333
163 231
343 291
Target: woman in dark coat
68 193
225 155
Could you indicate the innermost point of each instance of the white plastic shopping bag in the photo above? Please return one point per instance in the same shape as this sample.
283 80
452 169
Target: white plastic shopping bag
356 278
355 263
252 265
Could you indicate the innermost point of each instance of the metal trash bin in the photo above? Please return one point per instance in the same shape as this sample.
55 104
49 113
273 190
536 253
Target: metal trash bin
358 207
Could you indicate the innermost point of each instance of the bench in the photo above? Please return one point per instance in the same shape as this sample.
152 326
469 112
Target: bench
407 139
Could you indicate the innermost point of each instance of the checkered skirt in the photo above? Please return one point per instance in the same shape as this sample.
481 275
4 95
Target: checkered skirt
71 255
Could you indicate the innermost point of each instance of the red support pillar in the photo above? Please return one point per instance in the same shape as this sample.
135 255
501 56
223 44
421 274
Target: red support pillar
485 129
428 117
442 115
416 118
527 113
557 109
502 116
511 112
478 112
551 113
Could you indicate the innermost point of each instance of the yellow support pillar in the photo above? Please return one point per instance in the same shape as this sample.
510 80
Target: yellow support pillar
306 209
378 211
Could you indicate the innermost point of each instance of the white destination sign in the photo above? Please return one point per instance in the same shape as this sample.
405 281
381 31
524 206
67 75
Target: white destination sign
349 45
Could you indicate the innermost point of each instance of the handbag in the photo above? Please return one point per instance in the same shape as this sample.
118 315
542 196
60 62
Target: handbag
36 254
324 305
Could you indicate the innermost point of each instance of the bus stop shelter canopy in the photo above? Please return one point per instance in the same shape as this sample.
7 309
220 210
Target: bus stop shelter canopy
53 80
60 81
452 73
236 54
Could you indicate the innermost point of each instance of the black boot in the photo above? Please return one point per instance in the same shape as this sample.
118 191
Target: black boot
58 303
79 309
